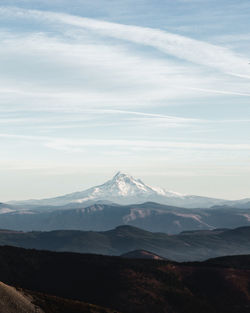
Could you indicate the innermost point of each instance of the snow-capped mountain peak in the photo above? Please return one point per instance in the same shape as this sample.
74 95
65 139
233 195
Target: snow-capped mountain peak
121 188
125 189
124 185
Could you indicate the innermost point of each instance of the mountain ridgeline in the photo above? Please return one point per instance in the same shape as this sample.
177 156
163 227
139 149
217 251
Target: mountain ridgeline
187 246
121 201
100 217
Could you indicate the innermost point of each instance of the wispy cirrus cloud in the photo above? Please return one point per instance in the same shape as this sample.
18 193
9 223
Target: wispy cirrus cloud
70 143
195 51
89 74
96 118
91 65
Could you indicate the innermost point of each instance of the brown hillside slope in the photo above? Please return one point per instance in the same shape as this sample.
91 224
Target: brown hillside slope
20 301
14 301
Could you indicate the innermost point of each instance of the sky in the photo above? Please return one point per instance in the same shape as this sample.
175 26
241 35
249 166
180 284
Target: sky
156 89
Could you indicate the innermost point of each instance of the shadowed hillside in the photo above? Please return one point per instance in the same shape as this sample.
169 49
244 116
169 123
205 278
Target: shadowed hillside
187 246
16 300
129 285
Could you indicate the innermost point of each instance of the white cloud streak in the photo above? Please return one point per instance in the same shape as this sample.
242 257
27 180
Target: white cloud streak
102 75
93 66
185 48
65 144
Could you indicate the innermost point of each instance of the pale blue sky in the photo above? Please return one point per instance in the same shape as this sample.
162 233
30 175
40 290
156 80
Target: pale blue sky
158 89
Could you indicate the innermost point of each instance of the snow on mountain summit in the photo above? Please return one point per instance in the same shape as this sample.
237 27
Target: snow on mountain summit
125 189
125 185
122 187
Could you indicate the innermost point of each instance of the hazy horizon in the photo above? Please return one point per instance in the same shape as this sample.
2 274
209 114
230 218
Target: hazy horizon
82 188
156 90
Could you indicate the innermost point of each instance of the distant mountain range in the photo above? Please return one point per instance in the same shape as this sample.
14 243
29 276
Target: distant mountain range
100 217
186 246
124 189
124 200
78 283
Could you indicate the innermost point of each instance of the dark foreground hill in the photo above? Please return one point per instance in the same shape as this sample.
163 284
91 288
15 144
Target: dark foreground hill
187 246
129 285
17 300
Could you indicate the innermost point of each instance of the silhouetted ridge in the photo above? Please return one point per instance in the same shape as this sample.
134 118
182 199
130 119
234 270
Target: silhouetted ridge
129 285
142 254
187 246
